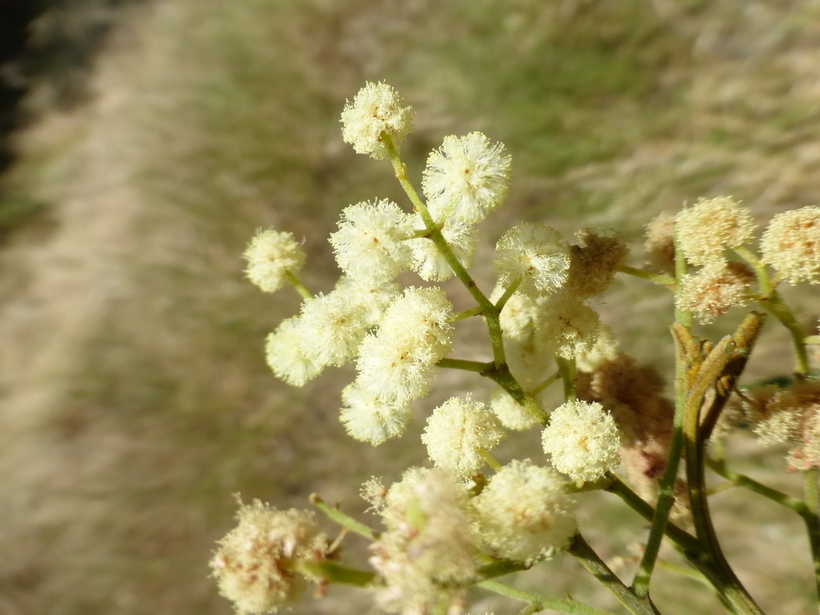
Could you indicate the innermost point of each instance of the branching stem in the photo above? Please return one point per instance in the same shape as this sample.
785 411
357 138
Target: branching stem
540 602
658 278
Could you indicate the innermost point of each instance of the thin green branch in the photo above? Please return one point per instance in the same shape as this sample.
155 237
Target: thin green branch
463 364
487 457
338 573
681 538
685 571
501 375
807 510
493 319
336 515
639 605
541 602
545 383
771 300
658 278
682 315
434 231
666 492
476 311
294 281
508 292
500 567
811 518
566 368
741 480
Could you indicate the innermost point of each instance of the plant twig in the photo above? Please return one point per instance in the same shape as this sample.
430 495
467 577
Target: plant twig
334 514
658 278
540 602
639 605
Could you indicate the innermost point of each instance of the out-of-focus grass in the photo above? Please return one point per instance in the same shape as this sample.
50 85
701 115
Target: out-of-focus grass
136 399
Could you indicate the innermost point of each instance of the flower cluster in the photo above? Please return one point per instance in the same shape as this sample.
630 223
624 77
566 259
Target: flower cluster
427 555
472 514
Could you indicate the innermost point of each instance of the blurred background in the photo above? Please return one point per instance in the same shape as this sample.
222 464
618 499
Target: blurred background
144 142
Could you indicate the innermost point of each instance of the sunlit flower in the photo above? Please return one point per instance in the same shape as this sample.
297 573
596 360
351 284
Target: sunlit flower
583 440
257 563
458 431
271 256
791 244
466 178
536 254
370 244
710 227
377 108
525 513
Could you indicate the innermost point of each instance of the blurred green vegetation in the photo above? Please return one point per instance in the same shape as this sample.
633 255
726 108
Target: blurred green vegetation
206 120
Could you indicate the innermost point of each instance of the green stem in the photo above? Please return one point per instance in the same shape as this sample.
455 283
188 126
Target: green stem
508 292
338 573
297 284
470 366
434 232
476 311
639 605
741 480
658 278
566 367
689 546
491 461
811 518
812 339
681 538
334 514
501 567
807 510
541 602
685 571
773 302
547 382
666 491
763 279
493 319
501 375
682 315
724 578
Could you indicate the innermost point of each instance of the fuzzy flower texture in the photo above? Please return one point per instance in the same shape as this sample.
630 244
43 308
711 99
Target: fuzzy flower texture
583 440
466 178
257 565
376 109
791 245
710 227
458 432
272 256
